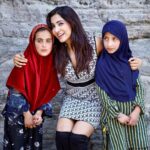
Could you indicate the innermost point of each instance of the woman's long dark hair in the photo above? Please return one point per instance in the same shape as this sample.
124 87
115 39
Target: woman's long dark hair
79 41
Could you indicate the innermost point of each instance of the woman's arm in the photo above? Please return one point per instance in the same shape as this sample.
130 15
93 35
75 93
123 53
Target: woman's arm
99 45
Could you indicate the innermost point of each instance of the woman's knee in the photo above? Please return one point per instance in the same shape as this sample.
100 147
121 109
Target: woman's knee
65 125
83 128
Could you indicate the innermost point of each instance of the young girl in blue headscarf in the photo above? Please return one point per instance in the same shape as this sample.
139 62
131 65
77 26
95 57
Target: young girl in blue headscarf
121 92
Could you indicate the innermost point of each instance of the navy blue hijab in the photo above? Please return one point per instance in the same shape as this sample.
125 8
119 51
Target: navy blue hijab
113 72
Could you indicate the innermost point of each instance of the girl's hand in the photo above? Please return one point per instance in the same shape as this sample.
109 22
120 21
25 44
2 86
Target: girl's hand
19 60
123 119
135 63
134 116
37 118
28 120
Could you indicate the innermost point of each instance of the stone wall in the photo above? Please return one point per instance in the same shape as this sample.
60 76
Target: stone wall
17 18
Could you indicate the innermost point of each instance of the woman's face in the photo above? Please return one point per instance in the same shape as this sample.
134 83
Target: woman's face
61 29
111 43
43 42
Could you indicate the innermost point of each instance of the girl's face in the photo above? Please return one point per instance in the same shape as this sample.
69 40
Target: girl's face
61 29
111 43
43 42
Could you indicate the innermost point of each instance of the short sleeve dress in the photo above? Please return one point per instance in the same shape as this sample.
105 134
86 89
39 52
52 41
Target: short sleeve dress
81 101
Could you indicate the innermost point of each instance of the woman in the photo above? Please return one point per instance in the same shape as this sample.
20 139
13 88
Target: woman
75 59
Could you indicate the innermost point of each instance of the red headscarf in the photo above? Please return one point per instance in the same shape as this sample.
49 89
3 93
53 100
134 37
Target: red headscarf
38 80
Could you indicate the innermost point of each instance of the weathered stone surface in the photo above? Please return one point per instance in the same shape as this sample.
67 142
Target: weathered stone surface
17 18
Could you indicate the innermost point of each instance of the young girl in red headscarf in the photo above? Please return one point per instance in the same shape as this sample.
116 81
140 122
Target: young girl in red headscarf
31 89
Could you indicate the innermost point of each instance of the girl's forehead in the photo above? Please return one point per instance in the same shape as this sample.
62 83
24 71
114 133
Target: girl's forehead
109 34
43 33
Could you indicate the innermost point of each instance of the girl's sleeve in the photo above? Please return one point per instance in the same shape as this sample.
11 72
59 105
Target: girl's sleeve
139 99
15 106
47 109
109 105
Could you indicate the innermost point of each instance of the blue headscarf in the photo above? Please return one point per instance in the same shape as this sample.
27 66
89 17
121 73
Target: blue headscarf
113 72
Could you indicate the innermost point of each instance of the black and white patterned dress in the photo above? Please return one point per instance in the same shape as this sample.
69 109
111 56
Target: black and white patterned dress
82 102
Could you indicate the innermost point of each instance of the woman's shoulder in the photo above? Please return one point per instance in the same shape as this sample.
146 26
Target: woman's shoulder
95 41
90 36
91 39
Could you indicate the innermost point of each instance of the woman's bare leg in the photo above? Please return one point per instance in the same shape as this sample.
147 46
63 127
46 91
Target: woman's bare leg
65 125
79 137
83 128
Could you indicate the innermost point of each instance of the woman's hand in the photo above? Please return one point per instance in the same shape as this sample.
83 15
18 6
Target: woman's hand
37 118
135 63
19 60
